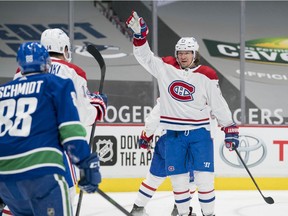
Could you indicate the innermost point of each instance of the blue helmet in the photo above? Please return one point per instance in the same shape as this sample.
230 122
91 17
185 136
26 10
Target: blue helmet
33 57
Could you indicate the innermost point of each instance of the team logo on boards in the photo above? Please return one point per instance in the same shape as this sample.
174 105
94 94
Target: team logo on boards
181 91
252 149
263 50
106 147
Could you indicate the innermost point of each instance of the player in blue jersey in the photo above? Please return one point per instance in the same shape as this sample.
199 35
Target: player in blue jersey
189 92
39 122
91 106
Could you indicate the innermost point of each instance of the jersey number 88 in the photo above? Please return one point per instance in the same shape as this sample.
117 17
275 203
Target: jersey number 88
20 111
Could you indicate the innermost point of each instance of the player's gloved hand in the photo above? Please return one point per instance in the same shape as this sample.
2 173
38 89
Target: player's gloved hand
144 141
90 175
138 25
99 101
231 136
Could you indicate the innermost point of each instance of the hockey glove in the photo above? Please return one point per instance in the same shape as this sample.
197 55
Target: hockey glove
90 175
138 25
99 101
231 136
144 141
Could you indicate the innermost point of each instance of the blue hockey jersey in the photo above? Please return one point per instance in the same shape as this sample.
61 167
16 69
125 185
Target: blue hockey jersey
38 121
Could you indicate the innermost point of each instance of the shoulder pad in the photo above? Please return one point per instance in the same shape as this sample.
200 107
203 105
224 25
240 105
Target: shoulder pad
208 72
171 60
77 69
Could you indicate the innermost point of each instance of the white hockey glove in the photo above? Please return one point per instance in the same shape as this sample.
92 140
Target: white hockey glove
138 25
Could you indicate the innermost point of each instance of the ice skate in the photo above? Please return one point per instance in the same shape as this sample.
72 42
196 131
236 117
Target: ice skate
174 211
190 212
138 211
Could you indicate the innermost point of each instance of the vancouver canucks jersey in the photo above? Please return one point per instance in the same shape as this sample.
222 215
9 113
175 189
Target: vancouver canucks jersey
38 119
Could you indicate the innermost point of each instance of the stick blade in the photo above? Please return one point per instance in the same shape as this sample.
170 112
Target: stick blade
269 200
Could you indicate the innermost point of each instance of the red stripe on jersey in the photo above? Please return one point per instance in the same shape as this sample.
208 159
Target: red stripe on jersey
190 120
7 212
78 70
18 70
182 192
148 187
139 42
192 192
205 192
72 170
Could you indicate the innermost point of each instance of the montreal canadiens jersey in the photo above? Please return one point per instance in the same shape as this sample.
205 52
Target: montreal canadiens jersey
152 121
59 67
187 95
38 117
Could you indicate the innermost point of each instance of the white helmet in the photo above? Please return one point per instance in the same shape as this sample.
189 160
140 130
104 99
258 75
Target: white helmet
186 44
55 40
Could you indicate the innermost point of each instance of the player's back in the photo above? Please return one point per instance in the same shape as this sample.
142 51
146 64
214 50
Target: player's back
63 69
29 138
87 112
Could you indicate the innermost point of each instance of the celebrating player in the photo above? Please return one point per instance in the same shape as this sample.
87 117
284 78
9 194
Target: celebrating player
39 121
188 91
157 172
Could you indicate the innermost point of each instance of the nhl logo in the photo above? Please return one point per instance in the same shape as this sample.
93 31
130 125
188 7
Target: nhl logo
106 148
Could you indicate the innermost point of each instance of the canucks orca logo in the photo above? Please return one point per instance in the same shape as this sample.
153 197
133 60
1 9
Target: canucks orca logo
181 91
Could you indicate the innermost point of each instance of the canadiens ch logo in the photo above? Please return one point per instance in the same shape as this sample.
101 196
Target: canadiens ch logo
181 91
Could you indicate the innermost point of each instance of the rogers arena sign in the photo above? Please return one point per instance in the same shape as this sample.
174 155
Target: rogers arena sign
137 114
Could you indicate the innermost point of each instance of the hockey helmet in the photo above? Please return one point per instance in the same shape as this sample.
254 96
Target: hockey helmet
56 40
33 57
186 44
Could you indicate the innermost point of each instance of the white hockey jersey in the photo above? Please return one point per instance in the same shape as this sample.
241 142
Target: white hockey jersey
187 96
152 121
87 112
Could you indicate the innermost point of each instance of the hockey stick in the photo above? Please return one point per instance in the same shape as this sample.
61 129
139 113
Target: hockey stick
268 200
114 203
98 57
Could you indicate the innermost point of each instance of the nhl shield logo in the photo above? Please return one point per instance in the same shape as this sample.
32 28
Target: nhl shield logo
106 147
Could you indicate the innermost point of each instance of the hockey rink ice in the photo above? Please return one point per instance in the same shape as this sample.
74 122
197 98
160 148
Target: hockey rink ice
228 203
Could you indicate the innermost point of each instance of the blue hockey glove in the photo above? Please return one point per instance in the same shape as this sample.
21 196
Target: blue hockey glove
144 141
231 136
138 25
90 175
99 101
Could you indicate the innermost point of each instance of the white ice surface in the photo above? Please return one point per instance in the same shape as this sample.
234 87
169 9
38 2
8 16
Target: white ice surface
228 203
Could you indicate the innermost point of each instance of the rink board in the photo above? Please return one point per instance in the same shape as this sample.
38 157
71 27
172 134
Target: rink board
264 149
